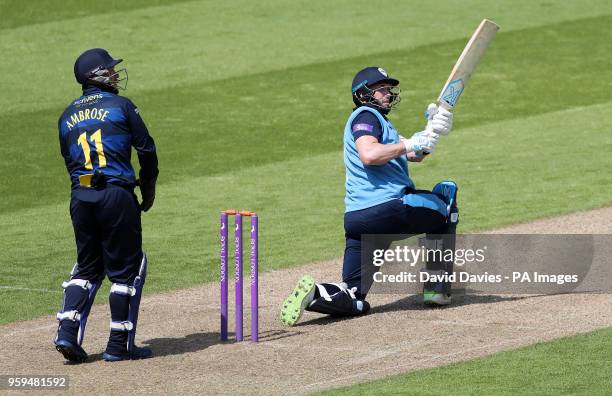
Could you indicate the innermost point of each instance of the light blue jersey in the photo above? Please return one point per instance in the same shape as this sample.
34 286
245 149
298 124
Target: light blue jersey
371 185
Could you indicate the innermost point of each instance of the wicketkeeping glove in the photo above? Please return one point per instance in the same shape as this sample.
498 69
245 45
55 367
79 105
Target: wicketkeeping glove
147 190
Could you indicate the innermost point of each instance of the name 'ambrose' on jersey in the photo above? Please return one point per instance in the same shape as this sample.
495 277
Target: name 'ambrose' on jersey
86 114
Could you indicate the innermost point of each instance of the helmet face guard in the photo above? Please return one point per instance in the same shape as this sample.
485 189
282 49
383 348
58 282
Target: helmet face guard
385 97
116 79
97 67
364 96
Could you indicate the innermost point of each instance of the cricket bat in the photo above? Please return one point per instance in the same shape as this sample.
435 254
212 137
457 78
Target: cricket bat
466 64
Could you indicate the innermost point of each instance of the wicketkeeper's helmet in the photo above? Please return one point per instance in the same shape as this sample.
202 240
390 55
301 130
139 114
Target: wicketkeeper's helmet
93 67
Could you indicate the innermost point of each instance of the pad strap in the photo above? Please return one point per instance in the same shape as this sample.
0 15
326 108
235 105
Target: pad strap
122 326
123 289
85 284
323 292
71 315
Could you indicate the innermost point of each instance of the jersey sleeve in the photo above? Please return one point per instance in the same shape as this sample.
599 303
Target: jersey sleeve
62 141
364 124
142 142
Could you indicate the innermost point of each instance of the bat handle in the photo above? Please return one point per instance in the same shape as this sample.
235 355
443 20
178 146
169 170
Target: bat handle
428 115
444 105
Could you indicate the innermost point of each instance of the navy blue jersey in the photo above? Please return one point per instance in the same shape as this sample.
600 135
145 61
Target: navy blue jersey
97 132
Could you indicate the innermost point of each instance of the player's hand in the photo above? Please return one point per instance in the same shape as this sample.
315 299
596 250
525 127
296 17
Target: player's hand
147 190
439 120
412 157
421 142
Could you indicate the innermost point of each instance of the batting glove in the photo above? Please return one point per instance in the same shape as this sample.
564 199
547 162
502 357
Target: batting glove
421 143
439 120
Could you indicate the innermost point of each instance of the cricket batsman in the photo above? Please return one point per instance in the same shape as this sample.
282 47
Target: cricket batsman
96 134
382 199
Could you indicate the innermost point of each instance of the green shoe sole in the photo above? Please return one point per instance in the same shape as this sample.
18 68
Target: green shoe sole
294 305
436 299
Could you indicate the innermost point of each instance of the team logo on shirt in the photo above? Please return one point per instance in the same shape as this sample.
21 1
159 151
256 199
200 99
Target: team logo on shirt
87 100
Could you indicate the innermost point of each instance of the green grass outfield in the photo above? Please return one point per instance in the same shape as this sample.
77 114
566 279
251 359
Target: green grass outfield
567 366
247 103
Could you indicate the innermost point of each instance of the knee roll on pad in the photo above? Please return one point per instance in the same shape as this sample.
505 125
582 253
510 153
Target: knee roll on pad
447 191
134 294
79 296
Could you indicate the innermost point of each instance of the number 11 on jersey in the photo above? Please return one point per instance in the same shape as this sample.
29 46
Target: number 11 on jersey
96 138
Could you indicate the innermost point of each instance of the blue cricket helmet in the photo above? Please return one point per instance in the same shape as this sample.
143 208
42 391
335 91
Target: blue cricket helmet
93 67
370 76
363 94
90 61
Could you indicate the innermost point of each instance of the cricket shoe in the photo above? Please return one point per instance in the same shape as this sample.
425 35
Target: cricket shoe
71 351
298 300
136 354
436 299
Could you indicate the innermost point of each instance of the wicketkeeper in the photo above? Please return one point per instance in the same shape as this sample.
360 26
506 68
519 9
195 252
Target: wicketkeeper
97 132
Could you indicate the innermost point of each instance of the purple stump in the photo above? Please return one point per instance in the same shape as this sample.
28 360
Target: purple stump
223 275
238 277
254 279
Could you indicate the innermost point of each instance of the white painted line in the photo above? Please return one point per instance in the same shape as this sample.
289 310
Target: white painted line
29 289
22 330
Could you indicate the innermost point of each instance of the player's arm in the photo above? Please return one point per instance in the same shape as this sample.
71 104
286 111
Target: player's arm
367 133
372 152
142 142
144 145
63 145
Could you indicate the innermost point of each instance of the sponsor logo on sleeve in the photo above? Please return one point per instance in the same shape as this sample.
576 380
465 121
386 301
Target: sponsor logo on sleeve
363 127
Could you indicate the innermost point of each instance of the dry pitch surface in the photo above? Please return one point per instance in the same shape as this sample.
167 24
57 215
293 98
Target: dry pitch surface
398 336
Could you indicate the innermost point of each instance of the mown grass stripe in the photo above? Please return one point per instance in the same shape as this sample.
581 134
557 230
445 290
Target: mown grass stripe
196 42
16 14
571 365
301 112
